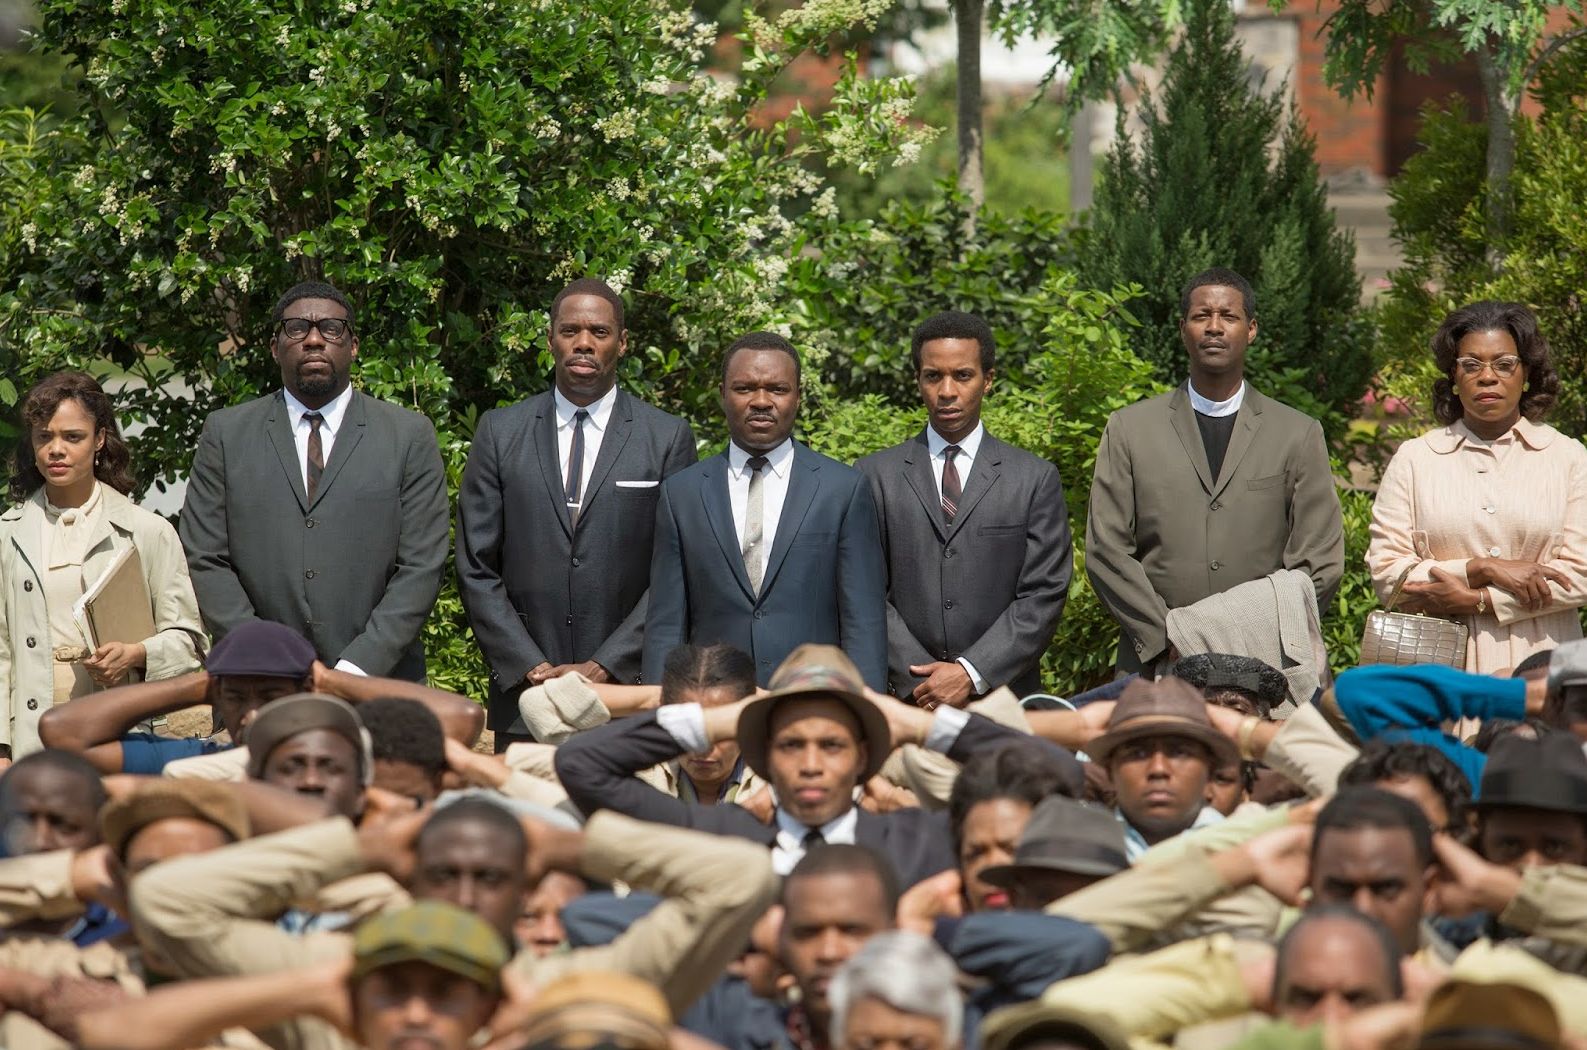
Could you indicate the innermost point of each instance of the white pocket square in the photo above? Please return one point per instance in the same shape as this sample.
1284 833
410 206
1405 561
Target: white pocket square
637 484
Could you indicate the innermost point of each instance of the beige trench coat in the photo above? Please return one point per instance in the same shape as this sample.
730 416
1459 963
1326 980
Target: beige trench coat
26 655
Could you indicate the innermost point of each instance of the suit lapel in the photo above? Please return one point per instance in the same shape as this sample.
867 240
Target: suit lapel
28 536
719 512
804 479
918 475
983 475
1184 420
1241 440
279 427
347 439
545 438
618 427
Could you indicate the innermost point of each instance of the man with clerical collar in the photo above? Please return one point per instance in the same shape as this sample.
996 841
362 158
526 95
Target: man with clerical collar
1209 486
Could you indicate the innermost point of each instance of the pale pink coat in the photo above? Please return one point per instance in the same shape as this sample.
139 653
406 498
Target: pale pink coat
1448 496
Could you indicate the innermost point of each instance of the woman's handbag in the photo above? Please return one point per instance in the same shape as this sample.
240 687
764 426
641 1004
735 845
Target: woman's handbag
1399 638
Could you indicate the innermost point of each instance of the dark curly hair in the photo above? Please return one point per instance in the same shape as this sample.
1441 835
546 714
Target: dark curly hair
113 465
1542 382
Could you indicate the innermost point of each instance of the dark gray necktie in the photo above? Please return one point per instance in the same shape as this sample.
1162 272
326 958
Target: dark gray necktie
812 839
575 478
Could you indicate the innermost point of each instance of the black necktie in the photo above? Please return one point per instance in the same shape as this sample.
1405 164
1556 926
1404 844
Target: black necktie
316 454
951 490
812 839
576 464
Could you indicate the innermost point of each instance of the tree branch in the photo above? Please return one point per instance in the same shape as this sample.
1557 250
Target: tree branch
1536 65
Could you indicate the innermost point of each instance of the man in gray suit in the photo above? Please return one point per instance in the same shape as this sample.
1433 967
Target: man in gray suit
767 545
975 532
318 506
556 513
1209 486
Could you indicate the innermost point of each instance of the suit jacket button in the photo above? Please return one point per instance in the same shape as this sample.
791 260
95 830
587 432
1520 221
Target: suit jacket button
33 705
760 614
1216 566
32 642
310 574
948 604
27 585
575 563
309 523
948 552
1216 505
570 621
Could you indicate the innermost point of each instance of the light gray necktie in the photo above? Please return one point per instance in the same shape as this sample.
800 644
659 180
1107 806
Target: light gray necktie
754 523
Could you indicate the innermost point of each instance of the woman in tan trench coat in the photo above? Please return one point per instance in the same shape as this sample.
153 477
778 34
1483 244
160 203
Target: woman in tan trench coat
70 516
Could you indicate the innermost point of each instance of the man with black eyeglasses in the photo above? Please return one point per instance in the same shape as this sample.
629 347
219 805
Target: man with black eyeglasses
318 506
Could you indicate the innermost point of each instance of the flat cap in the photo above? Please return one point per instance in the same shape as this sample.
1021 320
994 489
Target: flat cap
434 932
264 648
207 800
282 719
1467 1015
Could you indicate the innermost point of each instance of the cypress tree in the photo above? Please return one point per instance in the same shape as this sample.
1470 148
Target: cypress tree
1224 175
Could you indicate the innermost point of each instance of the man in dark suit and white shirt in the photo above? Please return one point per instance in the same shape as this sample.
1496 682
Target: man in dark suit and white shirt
975 532
814 737
556 513
767 545
319 507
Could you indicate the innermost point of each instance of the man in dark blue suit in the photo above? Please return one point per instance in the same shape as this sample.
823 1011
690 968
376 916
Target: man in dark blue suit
767 545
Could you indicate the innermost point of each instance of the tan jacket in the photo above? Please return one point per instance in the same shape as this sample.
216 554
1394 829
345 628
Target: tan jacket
1163 534
26 655
1448 497
213 914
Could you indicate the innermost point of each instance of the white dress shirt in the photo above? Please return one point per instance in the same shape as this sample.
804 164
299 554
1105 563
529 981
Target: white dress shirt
334 412
600 412
789 847
963 462
936 444
773 493
1216 409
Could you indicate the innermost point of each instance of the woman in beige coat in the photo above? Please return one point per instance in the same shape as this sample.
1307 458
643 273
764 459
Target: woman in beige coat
71 515
1488 512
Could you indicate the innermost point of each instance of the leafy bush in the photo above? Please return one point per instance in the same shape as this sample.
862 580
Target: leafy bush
1438 217
1223 176
448 163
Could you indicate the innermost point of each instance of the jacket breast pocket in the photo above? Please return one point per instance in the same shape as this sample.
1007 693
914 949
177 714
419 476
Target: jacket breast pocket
1015 529
1271 481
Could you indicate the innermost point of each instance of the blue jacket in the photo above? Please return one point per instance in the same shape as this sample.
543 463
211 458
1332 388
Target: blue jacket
1412 703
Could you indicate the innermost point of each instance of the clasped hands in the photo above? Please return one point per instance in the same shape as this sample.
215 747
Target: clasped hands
1445 595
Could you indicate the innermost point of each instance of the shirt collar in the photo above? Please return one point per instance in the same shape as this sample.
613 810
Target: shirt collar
839 829
1216 408
778 459
1135 843
333 411
971 444
1532 435
600 409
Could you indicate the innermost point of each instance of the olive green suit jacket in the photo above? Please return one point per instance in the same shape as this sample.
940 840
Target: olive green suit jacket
1162 533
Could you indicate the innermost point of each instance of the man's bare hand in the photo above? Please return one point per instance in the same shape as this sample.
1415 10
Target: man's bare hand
925 902
758 803
946 682
539 673
1466 883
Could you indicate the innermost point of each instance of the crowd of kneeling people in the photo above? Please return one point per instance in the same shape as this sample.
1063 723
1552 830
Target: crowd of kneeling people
1401 862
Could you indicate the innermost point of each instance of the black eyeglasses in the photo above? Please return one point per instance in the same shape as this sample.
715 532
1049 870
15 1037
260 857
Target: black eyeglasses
332 329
